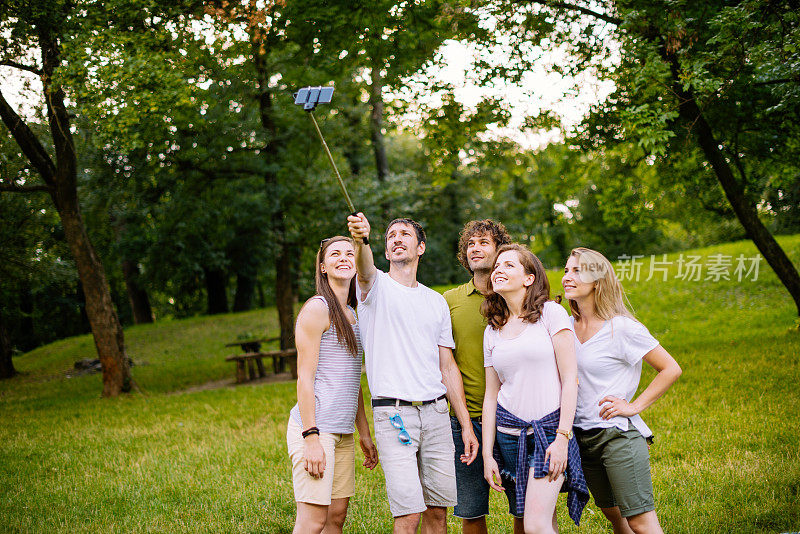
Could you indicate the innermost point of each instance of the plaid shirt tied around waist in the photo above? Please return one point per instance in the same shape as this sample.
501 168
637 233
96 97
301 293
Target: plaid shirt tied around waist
577 491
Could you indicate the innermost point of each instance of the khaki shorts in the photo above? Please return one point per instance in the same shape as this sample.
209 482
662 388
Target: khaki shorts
422 473
339 479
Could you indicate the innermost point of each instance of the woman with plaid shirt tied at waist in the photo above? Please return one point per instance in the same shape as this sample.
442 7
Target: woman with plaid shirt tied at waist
531 392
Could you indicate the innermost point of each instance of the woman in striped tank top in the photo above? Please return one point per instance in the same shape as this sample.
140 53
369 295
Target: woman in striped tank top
329 400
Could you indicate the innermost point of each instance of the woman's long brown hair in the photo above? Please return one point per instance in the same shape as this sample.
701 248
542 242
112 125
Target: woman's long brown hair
344 330
494 307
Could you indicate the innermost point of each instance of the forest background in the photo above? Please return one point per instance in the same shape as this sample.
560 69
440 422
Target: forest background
159 169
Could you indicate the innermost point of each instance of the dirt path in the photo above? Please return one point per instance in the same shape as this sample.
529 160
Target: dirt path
231 383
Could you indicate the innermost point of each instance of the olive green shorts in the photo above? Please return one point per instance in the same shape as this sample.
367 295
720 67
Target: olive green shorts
616 465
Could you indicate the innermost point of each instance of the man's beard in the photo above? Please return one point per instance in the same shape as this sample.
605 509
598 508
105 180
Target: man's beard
482 269
402 261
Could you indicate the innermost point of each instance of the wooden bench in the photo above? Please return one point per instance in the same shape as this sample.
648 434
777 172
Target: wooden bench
254 362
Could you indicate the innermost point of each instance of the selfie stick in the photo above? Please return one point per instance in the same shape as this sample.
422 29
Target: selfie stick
309 97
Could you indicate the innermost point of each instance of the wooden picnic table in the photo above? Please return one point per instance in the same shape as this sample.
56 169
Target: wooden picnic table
252 345
253 359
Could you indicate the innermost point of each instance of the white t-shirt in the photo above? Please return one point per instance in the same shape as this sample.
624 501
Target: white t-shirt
402 328
610 363
530 386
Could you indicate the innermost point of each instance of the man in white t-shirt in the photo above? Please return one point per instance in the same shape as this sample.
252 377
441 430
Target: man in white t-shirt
408 344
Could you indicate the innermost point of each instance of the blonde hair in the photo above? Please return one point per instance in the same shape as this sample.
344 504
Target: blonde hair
609 297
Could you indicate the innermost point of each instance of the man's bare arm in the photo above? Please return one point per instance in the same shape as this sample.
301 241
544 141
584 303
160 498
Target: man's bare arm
451 378
358 225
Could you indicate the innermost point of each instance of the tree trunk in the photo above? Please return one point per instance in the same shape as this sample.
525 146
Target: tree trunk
105 325
61 182
27 339
261 43
216 291
557 233
262 300
83 318
455 218
284 294
6 363
744 209
137 295
376 132
376 126
245 290
351 145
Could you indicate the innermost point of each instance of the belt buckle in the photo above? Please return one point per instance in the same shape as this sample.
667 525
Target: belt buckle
417 403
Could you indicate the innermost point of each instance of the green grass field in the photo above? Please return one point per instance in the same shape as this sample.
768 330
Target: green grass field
181 458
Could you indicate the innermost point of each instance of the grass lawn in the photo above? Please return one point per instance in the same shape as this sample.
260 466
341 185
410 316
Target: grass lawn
178 458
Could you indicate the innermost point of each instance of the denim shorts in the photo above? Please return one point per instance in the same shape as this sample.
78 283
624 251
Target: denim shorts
472 488
509 444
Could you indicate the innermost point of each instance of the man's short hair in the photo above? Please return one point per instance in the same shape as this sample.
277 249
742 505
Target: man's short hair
494 229
411 222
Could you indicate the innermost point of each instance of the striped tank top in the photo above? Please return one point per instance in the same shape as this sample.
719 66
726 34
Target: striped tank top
336 383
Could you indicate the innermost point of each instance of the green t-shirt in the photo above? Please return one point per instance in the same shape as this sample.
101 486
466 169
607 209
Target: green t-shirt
464 302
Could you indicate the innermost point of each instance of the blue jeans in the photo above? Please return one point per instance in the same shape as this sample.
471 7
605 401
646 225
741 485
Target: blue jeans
472 488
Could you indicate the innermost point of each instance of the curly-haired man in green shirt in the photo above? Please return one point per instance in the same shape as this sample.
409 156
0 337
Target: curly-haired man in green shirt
478 243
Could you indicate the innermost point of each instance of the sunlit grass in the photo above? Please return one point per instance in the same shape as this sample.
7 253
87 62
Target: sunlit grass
726 456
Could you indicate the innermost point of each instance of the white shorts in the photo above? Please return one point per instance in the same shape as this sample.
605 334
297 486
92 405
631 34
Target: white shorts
422 473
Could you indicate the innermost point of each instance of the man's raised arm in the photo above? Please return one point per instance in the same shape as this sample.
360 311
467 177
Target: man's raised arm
358 225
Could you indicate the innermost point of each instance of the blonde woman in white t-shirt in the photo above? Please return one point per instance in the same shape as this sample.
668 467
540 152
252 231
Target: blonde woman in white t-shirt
610 345
531 390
